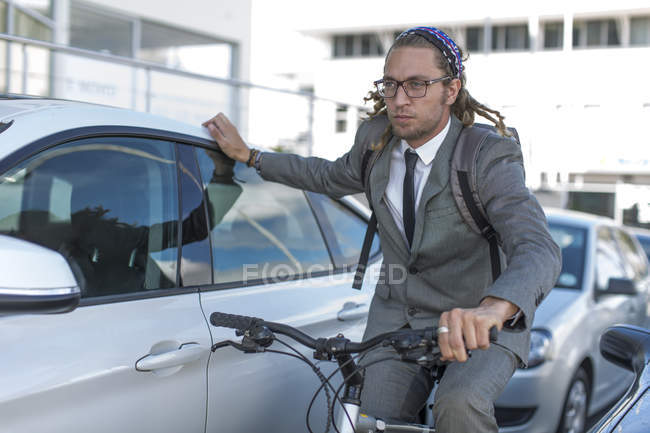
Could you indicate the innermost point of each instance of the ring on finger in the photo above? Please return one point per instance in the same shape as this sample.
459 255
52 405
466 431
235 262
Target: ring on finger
442 330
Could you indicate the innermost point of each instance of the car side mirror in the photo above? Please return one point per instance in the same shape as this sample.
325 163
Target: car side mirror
35 279
620 286
626 346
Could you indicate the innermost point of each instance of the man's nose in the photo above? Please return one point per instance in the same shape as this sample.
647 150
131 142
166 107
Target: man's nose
401 97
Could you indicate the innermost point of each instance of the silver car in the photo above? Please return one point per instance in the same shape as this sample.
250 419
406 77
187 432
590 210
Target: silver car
160 230
604 281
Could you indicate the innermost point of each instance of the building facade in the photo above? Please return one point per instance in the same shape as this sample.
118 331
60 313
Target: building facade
571 76
116 40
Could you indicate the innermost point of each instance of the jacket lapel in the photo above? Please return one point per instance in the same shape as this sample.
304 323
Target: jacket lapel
438 178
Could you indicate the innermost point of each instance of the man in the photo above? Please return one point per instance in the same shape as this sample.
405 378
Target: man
421 107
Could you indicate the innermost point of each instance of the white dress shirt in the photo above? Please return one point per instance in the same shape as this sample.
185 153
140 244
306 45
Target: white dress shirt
395 188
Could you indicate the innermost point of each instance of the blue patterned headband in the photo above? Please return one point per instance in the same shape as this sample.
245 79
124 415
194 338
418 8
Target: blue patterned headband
443 42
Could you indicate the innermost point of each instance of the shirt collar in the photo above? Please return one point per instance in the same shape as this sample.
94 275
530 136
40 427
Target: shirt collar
427 152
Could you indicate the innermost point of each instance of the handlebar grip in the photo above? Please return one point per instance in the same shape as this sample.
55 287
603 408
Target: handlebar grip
494 334
233 321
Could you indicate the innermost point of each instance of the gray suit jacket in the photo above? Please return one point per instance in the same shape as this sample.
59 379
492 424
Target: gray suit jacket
448 265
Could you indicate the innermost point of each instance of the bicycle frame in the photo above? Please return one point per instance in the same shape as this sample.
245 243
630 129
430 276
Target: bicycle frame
351 420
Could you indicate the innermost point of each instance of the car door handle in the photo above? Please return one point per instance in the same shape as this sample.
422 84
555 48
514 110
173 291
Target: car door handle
183 355
352 311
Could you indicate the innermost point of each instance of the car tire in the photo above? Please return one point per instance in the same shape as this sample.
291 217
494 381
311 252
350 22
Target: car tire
576 402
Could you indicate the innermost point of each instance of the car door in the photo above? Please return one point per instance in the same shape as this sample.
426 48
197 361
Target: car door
271 261
609 310
133 356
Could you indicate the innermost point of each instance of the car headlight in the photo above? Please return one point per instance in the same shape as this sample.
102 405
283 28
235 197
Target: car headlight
540 347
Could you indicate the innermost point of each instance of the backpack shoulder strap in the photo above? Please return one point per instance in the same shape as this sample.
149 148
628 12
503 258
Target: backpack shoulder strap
370 156
465 189
463 177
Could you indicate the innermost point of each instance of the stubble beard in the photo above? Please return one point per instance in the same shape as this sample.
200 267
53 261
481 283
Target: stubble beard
425 129
416 132
412 133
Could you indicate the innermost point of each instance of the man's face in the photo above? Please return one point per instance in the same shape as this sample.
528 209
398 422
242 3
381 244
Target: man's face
417 120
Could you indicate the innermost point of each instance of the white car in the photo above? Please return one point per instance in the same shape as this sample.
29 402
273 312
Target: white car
159 230
604 282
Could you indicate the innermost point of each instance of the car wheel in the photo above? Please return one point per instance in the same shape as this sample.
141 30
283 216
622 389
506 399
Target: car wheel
574 412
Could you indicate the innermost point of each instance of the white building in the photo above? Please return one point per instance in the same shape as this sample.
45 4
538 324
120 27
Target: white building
208 38
571 76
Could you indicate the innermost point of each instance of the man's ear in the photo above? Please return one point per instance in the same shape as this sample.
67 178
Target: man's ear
452 91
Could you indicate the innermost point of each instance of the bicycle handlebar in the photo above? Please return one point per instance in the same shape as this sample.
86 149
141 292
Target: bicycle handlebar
406 337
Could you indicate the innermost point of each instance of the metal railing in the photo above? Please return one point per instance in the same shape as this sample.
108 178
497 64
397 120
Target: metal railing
153 87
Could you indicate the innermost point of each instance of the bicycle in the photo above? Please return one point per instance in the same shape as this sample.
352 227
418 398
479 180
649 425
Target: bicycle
412 345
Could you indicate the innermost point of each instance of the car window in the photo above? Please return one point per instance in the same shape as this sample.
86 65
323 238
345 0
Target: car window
645 244
259 230
109 205
572 241
634 258
345 228
608 260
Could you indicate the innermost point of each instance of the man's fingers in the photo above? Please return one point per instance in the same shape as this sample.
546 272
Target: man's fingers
483 337
470 332
443 339
216 133
456 335
216 119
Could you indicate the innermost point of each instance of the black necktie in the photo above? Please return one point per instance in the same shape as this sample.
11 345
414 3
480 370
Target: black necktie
408 205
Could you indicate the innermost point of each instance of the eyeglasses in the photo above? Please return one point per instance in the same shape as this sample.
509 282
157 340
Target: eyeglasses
412 88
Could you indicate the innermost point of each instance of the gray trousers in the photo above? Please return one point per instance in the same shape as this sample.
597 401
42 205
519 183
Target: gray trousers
464 400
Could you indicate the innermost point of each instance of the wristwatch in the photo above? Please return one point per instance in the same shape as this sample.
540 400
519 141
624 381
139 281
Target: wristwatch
258 162
512 320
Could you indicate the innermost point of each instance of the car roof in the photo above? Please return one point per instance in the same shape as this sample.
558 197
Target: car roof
35 118
575 218
639 232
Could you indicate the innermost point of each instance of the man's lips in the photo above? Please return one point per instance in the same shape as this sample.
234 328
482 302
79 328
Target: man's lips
402 118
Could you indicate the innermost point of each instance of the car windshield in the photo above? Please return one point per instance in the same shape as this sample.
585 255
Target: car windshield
572 241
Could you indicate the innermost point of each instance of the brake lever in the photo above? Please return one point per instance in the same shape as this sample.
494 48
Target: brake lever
247 346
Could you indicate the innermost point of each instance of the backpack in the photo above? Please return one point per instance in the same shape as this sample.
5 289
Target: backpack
464 189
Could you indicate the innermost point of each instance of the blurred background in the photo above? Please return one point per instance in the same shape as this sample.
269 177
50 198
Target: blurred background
572 77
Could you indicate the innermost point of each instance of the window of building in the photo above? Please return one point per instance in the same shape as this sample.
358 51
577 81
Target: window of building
510 37
181 49
599 203
27 26
474 39
100 31
97 30
3 17
30 19
640 31
337 46
341 118
553 35
596 33
356 45
260 230
43 7
108 205
362 115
